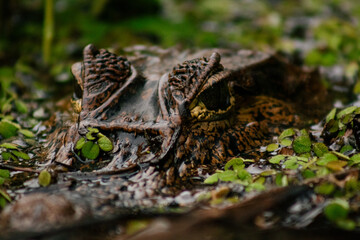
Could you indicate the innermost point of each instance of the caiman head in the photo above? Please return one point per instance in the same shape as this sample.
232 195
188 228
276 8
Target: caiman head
196 121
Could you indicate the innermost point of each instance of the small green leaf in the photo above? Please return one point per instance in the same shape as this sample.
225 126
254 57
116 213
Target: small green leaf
325 188
328 157
276 159
281 180
20 154
268 172
337 209
341 132
310 162
303 157
355 158
2 202
341 156
356 89
255 186
304 132
21 106
6 106
6 155
44 178
334 126
9 146
8 129
89 136
342 127
287 133
105 144
234 163
302 144
90 150
93 130
260 180
322 172
134 226
227 176
286 142
249 160
212 179
272 147
346 148
308 173
244 175
27 133
4 173
320 149
345 111
80 143
331 115
347 118
291 164
4 194
346 224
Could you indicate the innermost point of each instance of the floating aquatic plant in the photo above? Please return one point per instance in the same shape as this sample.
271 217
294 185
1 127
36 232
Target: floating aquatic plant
94 142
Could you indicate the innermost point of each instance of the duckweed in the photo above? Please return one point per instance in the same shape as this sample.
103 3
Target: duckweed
94 141
44 178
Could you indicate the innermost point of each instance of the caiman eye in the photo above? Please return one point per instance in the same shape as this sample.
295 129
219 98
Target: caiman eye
216 97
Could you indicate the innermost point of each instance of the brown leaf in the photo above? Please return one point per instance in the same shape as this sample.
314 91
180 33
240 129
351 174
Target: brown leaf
336 165
286 151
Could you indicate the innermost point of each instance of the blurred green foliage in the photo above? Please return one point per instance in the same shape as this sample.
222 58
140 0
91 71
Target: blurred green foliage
41 39
266 25
338 41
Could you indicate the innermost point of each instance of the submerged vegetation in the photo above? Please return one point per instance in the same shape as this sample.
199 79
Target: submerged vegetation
323 34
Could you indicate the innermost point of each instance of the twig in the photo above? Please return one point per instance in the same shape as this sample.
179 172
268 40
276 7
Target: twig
22 169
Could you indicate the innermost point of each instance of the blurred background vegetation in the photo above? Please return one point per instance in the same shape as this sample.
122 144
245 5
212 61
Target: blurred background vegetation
41 38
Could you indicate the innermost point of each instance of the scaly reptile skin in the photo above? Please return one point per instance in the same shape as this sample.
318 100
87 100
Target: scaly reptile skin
186 118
